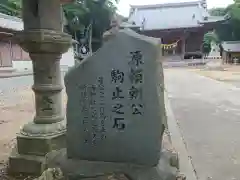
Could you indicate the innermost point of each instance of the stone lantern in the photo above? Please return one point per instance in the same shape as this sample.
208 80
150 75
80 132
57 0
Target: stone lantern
45 42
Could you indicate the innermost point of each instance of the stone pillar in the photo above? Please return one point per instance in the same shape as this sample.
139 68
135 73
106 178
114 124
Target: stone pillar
174 51
43 38
183 47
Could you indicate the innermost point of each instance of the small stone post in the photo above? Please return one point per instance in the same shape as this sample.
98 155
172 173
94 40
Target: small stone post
183 46
43 38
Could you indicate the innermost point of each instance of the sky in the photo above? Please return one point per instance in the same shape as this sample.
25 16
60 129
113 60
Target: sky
123 6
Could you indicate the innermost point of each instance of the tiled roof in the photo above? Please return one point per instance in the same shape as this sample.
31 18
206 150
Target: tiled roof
128 25
231 46
10 22
165 5
170 15
212 19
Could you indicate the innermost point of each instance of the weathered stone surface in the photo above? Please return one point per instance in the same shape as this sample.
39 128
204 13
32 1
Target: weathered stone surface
79 169
52 174
36 14
45 42
167 144
161 91
113 107
26 164
40 145
113 176
41 41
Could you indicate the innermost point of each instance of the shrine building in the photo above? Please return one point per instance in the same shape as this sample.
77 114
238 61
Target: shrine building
181 26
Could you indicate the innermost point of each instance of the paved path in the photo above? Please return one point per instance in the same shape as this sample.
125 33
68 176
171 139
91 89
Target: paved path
208 113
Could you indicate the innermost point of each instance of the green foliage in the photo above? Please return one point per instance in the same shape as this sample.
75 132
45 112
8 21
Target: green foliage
80 16
208 38
211 37
11 7
230 30
206 48
236 1
17 3
89 16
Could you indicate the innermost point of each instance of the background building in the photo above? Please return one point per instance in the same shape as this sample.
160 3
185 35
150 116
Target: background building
12 56
183 23
231 51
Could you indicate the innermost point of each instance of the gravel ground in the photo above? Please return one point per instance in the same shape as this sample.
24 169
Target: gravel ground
16 109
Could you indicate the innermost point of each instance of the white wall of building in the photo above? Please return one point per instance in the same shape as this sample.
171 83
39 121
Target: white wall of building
15 23
67 61
10 22
22 65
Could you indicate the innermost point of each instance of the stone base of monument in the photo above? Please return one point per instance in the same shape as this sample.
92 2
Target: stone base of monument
33 143
28 156
40 145
73 169
29 164
81 169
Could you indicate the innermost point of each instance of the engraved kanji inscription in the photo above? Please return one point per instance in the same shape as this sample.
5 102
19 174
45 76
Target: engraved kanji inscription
93 90
118 109
136 58
119 124
136 76
94 113
117 76
47 104
135 93
117 94
137 109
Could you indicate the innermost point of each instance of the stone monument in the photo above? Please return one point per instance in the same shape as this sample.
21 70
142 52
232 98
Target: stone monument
113 109
114 116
